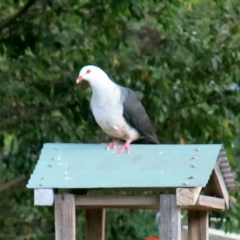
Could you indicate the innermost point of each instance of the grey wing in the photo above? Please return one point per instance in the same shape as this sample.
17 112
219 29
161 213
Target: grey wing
136 116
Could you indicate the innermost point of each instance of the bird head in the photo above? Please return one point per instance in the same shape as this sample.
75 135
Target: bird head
90 73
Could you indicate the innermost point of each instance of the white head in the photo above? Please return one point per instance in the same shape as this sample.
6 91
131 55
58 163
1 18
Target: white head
91 74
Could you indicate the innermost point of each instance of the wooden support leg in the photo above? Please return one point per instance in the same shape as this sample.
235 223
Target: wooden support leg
65 217
197 225
170 223
95 224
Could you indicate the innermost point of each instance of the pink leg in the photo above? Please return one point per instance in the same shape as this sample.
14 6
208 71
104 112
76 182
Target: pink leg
112 144
124 146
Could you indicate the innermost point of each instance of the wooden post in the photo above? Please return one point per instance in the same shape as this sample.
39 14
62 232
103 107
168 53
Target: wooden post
65 217
170 223
95 224
197 225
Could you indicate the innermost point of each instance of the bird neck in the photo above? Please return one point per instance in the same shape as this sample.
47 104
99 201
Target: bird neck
103 90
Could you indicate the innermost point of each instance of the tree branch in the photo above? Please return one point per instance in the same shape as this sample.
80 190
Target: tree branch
178 108
12 182
9 20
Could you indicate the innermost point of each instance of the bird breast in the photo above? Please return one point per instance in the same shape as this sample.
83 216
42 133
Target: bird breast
108 113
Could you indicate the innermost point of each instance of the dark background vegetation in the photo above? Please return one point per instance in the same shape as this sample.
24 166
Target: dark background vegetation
181 57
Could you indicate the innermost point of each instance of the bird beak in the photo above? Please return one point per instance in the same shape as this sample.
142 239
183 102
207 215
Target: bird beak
79 79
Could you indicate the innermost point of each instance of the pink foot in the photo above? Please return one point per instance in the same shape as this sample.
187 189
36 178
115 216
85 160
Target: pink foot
112 144
125 146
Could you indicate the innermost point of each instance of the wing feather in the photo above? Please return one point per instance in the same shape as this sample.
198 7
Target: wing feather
136 116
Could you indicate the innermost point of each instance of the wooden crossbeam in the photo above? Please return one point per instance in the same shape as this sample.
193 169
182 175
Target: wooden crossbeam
207 204
142 202
145 202
46 197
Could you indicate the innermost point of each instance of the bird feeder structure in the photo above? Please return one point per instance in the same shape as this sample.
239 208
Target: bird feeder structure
177 177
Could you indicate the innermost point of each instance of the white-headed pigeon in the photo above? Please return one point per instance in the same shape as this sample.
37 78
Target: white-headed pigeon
117 110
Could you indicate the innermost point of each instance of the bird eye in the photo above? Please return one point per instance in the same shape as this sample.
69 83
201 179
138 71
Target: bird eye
89 70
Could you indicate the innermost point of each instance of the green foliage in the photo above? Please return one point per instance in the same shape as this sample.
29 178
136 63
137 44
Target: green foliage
182 58
131 224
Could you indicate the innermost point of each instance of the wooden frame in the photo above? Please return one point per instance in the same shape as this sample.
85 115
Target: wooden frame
65 205
145 202
201 185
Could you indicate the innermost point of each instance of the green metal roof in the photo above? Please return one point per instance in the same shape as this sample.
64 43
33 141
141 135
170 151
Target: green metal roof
67 165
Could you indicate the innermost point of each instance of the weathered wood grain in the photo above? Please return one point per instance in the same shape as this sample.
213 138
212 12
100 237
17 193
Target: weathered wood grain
170 223
95 224
197 225
187 196
145 202
65 217
221 185
211 203
118 201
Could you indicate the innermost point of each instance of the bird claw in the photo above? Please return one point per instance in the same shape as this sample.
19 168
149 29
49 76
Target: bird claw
123 147
112 144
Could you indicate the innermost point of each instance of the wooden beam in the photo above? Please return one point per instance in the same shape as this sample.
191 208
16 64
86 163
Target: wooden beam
206 203
43 197
11 183
197 225
220 184
144 202
170 222
95 224
187 196
90 201
211 203
65 217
